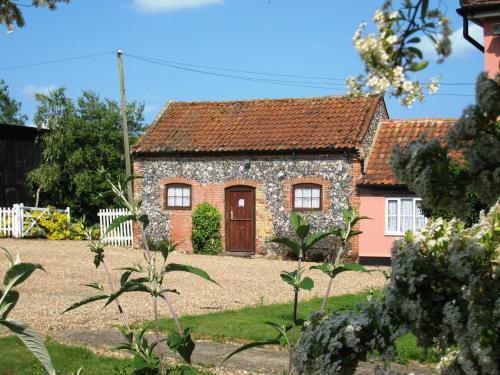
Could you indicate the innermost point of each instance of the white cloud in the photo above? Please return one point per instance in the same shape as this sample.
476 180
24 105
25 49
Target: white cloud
460 47
157 6
31 90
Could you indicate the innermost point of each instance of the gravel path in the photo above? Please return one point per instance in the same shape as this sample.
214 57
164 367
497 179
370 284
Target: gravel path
244 282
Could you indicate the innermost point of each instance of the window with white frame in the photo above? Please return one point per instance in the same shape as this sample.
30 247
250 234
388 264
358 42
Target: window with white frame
403 214
178 196
306 197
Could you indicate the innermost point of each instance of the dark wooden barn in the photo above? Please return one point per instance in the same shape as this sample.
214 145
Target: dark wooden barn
19 154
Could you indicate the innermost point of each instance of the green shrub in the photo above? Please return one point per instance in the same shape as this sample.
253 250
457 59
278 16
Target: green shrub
205 235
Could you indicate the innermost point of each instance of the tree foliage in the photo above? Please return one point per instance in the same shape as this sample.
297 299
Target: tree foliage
461 177
10 11
10 109
84 135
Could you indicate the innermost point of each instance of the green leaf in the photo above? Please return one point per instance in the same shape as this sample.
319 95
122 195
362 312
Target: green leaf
16 274
132 177
134 285
295 220
418 66
416 51
325 267
290 278
303 230
423 11
124 277
117 222
97 286
255 344
291 244
414 40
184 345
314 238
32 341
8 255
307 283
174 267
9 301
86 301
348 267
144 219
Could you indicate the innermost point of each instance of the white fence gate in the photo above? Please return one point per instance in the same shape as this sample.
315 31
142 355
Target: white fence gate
123 234
17 221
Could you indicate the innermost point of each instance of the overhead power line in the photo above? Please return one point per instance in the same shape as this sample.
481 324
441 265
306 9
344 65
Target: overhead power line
307 84
245 78
315 82
65 59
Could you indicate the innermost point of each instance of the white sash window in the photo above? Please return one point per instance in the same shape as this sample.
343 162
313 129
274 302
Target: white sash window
403 214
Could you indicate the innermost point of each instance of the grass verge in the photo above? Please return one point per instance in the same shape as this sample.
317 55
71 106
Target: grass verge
248 324
16 359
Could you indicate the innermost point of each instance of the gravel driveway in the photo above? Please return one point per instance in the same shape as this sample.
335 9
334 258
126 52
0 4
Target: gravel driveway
244 282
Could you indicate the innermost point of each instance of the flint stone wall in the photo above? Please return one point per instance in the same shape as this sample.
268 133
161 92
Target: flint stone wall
268 171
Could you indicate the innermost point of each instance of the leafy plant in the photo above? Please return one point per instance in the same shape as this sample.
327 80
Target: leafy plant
295 279
205 234
334 265
443 288
18 272
149 279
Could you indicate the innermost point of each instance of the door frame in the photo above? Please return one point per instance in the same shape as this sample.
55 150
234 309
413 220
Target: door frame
227 233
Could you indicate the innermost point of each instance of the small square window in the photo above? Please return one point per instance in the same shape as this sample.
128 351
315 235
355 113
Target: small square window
307 197
178 196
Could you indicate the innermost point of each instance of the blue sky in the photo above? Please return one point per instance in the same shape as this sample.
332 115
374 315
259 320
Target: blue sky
307 38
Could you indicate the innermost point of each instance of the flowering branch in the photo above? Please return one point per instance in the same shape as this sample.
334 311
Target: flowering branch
391 55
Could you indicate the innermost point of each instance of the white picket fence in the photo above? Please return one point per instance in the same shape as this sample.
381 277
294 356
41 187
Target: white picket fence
123 234
17 221
7 222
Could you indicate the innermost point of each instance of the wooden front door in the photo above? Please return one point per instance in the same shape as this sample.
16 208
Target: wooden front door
240 219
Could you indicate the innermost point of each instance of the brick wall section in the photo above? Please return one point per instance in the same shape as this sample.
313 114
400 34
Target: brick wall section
181 219
354 201
137 183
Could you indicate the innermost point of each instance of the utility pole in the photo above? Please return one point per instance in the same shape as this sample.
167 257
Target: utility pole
125 127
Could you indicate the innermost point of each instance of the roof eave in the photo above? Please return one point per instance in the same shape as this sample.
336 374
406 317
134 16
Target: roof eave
337 150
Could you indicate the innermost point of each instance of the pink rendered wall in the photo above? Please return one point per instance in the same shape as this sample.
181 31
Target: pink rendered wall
491 47
373 242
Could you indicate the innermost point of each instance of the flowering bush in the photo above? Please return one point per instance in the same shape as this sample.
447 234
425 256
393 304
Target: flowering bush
335 344
54 225
444 288
391 54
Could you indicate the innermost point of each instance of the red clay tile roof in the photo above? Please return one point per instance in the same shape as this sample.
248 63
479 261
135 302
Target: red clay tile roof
472 3
398 132
333 122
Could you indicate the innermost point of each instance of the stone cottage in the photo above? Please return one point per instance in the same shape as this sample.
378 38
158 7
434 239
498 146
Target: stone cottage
255 160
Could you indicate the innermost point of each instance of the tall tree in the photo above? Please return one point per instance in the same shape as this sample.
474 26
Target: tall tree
10 109
10 11
84 135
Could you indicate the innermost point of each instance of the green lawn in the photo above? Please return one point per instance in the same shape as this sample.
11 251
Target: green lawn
248 324
15 359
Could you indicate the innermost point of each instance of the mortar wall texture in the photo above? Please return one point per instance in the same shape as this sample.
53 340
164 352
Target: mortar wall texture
272 177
